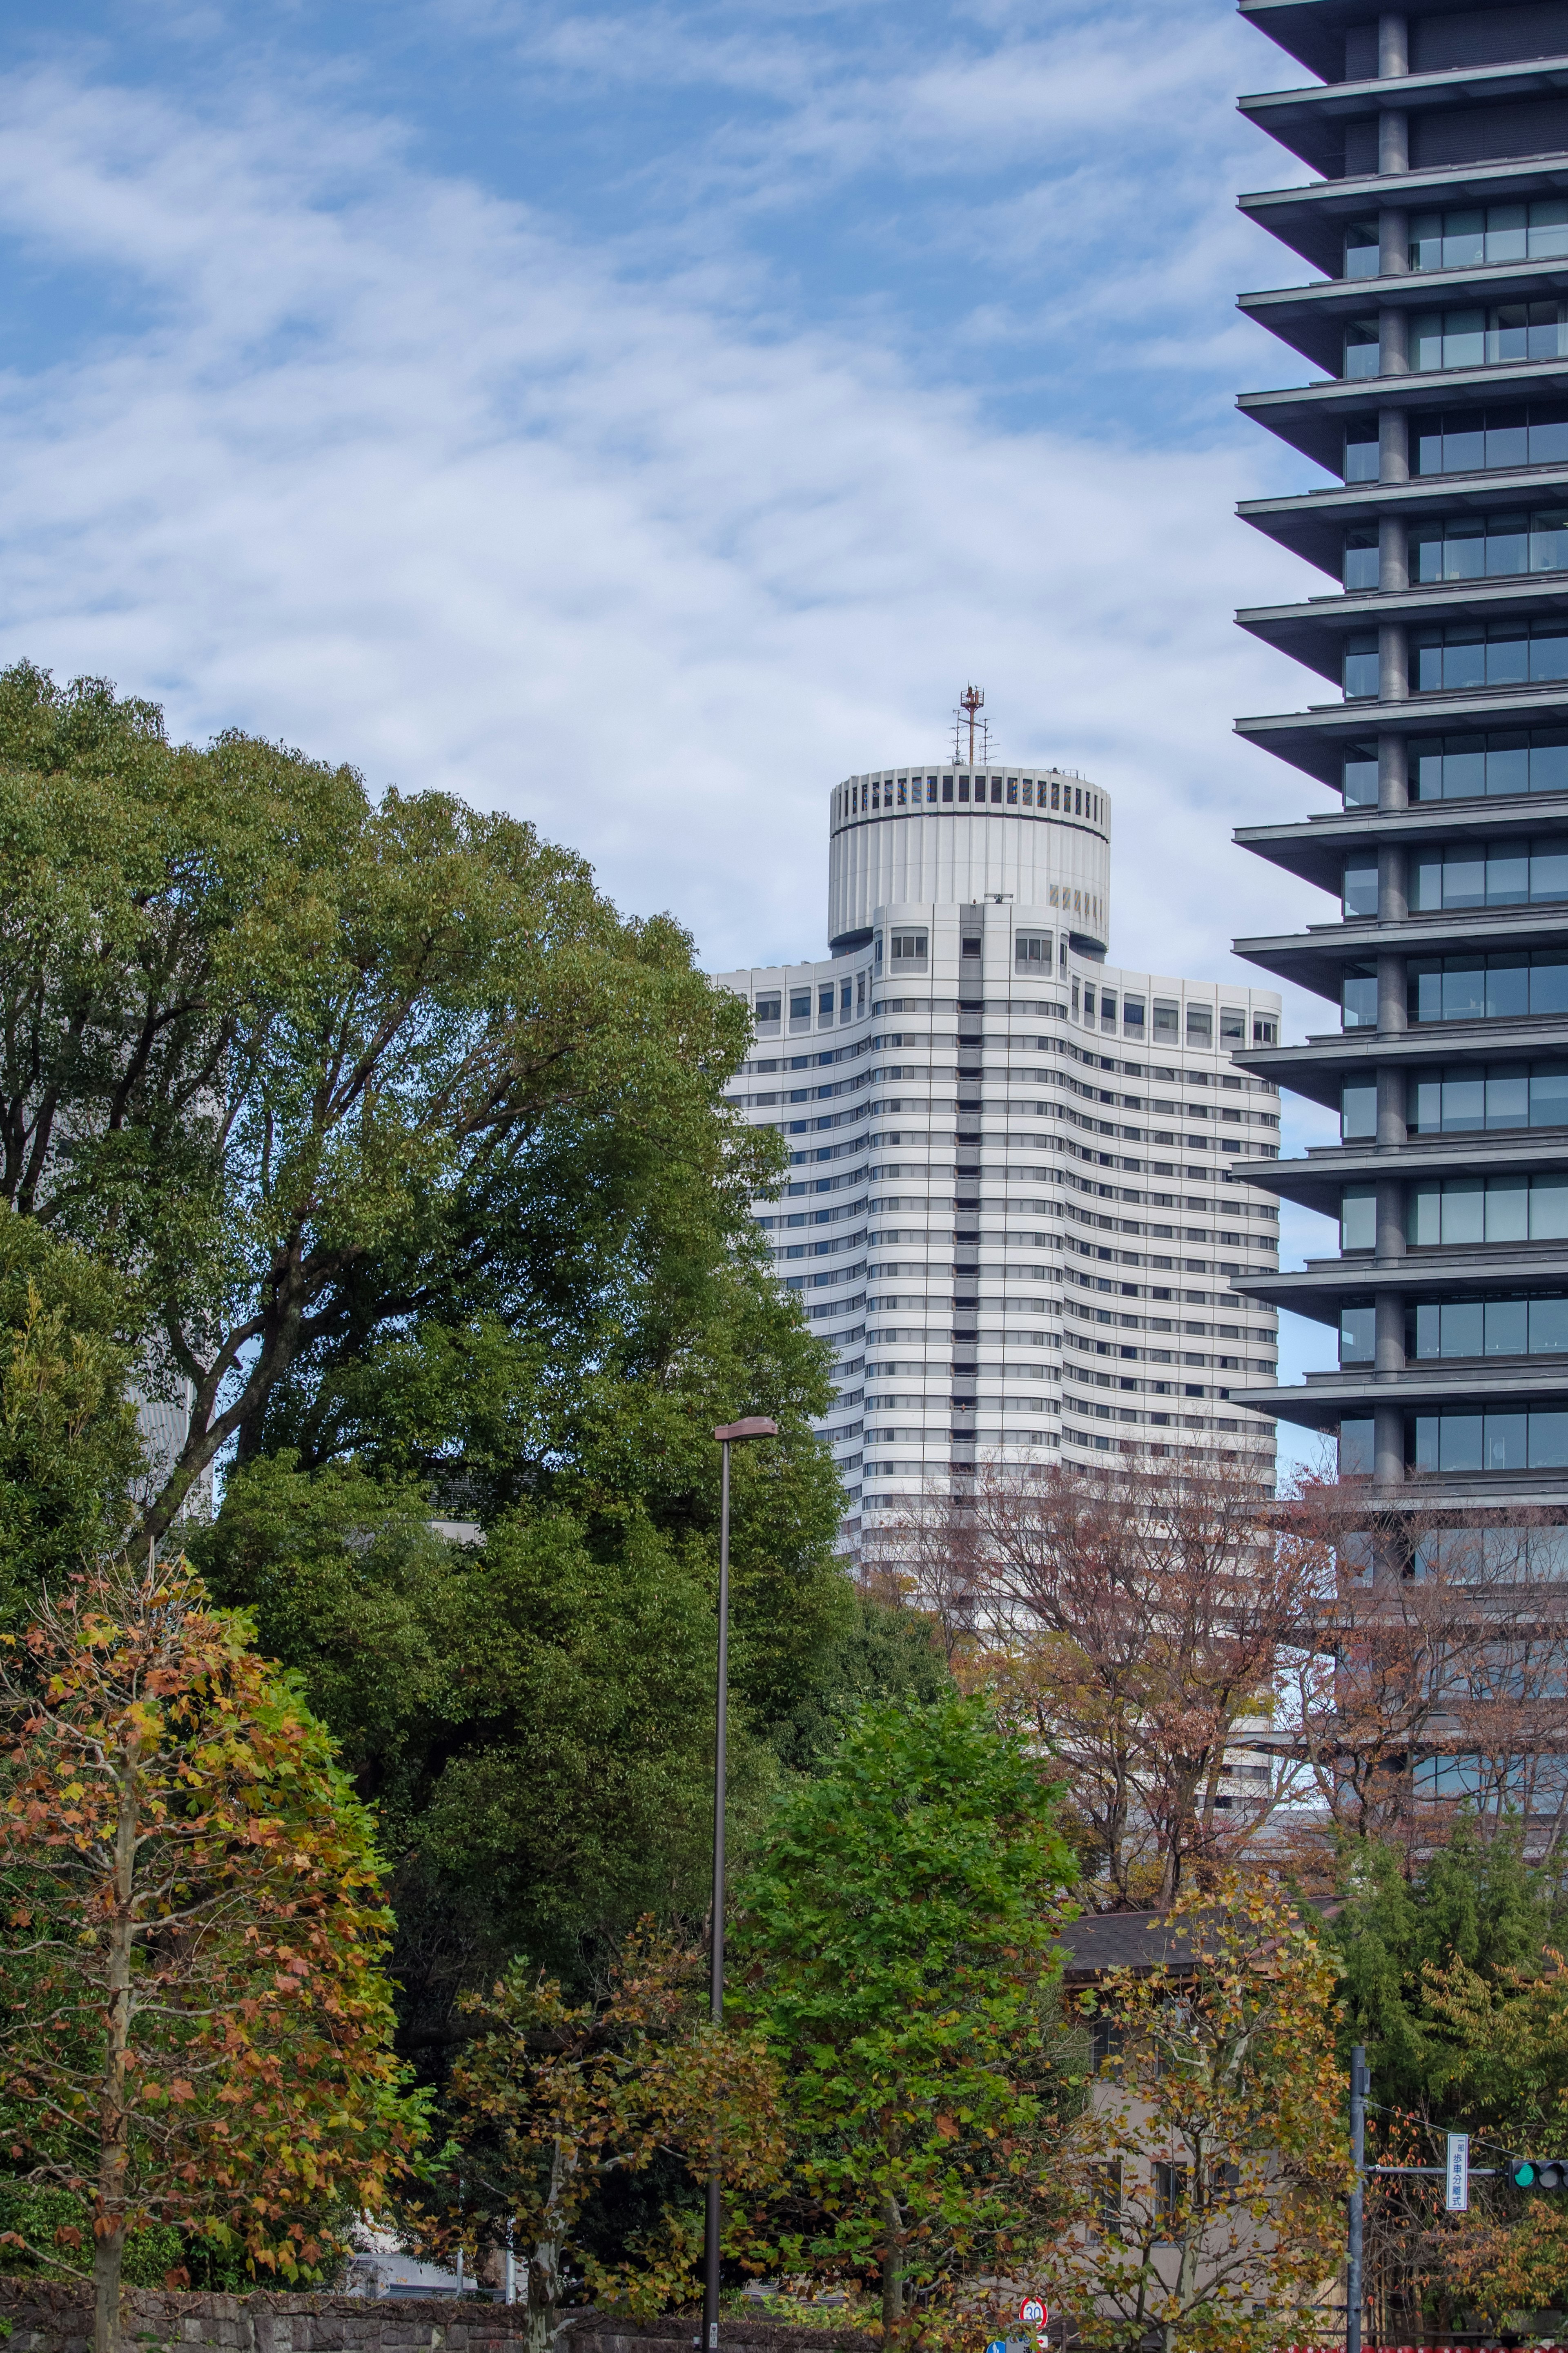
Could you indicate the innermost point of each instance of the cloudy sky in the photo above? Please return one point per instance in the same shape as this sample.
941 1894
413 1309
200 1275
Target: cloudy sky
638 418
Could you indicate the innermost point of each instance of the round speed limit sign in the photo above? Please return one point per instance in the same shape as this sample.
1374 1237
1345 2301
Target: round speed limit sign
1033 2313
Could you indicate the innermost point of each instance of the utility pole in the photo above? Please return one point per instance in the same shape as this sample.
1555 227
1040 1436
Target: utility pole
1358 2178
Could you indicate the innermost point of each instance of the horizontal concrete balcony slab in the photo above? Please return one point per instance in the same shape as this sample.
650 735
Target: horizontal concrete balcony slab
1320 1288
1313 319
1316 849
1313 417
1313 220
1317 959
1325 1399
1317 1067
1314 740
1314 525
1312 122
1313 31
1314 634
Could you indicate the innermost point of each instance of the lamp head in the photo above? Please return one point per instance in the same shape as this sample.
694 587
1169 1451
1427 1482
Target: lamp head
758 1426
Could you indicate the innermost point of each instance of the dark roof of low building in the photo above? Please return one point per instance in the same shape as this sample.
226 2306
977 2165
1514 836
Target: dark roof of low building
1100 1941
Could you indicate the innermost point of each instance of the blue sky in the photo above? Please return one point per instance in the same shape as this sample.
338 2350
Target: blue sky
638 418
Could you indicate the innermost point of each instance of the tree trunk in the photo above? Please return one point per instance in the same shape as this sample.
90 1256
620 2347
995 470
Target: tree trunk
892 2264
544 2262
113 2120
107 2254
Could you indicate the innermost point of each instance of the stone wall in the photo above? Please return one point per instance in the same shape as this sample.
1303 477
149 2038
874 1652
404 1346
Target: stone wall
53 2317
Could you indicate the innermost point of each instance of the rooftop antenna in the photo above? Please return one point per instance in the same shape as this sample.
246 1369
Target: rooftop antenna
969 704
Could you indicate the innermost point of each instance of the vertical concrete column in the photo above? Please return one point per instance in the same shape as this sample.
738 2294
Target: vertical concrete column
1392 141
1393 662
1392 1123
1388 1444
1393 551
1393 1018
1390 1219
1392 905
1392 44
1393 340
1390 1333
1393 772
1393 241
1392 445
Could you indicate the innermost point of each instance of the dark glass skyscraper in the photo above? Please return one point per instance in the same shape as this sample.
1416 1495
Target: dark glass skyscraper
1439 222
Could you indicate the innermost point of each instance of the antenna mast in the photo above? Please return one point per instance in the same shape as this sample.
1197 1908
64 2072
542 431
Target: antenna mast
970 703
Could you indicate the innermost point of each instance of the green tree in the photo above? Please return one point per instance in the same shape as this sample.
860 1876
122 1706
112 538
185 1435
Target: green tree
894 1952
1212 2157
196 2026
308 1070
69 1453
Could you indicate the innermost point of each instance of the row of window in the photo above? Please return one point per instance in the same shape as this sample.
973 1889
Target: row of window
1467 767
996 792
1465 547
1463 1211
1476 335
1459 655
1466 1100
1525 1326
1509 984
1467 440
1467 236
1465 875
1465 1441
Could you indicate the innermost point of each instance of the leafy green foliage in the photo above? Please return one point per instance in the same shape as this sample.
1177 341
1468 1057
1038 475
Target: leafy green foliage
894 1953
333 1073
69 1445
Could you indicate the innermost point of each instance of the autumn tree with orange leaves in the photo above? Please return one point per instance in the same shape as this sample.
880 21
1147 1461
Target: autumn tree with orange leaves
195 2025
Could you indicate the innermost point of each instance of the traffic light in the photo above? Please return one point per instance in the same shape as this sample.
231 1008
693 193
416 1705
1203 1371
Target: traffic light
1538 2172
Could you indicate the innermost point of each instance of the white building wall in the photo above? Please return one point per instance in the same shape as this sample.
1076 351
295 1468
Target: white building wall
1015 1193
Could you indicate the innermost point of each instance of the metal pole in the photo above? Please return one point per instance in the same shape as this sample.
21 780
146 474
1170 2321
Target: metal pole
711 2232
1358 2176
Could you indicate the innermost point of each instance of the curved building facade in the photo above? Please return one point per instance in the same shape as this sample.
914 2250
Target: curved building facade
950 836
1018 1189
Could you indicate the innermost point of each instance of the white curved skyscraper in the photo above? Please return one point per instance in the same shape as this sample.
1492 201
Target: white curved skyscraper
1013 1201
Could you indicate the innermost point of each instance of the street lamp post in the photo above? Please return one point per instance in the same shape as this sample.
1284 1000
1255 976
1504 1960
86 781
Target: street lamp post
730 1433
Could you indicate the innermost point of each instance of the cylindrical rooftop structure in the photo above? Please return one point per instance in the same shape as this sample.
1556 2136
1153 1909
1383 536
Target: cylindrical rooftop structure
941 833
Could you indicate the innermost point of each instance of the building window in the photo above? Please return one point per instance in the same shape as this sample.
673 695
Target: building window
1028 792
1358 1111
767 1010
1107 1009
1474 336
931 790
1362 460
1356 1449
1360 674
1358 775
1167 1018
825 1003
910 947
1132 1009
1358 1335
1474 234
1055 793
1360 570
1468 655
1509 984
1488 547
1491 1441
1490 874
1358 885
1032 952
1265 1029
970 945
1231 1025
1200 1026
964 788
1532 433
947 788
1358 1218
844 997
1362 349
1527 1324
1012 792
1465 1211
1358 997
996 789
1363 250
800 1005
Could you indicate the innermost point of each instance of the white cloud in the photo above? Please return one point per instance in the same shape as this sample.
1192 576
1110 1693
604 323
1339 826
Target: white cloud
407 474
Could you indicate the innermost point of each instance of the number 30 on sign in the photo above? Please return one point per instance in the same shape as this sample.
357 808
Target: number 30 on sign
1033 2313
